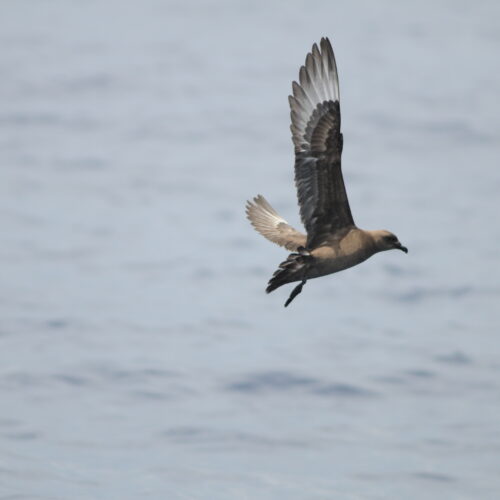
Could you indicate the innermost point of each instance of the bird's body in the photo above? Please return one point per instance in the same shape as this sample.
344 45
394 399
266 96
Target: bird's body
341 253
333 242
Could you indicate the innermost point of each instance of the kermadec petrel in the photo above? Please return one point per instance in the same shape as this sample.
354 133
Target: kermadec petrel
333 242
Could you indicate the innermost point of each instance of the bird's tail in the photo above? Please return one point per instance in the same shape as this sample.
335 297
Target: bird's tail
292 269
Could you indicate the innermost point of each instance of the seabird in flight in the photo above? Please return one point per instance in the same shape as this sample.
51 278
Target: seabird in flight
333 242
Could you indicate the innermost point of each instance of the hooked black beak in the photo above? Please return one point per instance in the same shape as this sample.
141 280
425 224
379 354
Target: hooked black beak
402 248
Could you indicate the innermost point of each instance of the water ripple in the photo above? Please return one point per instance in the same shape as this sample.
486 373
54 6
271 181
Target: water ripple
282 381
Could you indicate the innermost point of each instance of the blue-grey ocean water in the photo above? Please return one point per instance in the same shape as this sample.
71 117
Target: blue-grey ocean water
139 354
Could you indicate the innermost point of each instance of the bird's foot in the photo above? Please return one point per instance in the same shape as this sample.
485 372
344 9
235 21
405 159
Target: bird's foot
295 292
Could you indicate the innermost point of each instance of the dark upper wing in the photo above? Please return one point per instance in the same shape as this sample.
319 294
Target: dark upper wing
315 113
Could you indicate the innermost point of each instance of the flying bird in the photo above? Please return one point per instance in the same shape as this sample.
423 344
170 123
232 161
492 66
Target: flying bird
333 242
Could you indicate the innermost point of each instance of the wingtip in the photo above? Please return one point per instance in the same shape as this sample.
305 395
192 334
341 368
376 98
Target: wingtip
325 41
249 206
252 205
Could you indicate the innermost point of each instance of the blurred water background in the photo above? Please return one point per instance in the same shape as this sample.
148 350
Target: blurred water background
139 354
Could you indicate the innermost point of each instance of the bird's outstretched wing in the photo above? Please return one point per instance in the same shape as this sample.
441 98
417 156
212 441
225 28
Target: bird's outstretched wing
272 226
315 113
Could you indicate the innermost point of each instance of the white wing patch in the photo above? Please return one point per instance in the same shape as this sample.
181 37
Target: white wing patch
272 226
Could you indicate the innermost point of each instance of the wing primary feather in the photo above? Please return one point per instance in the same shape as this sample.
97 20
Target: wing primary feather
315 127
272 226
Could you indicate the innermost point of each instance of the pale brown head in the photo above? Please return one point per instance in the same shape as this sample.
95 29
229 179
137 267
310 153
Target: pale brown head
385 240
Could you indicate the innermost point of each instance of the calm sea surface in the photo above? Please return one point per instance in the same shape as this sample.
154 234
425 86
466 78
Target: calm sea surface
139 355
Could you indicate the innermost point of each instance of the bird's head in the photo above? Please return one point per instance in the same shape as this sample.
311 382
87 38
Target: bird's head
385 240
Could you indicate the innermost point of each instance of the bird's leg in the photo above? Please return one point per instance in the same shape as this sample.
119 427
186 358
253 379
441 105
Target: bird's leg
295 292
305 255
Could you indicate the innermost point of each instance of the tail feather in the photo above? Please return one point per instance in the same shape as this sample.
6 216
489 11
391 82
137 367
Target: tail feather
290 270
